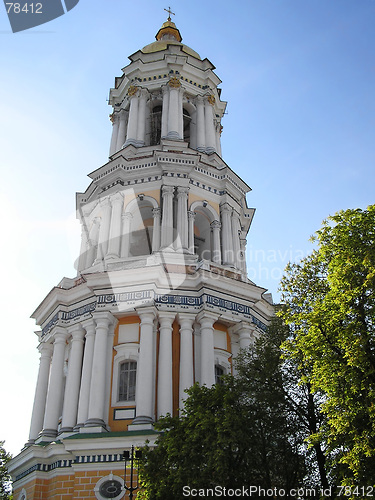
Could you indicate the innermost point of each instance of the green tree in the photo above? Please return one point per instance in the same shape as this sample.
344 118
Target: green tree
230 435
329 305
274 381
5 479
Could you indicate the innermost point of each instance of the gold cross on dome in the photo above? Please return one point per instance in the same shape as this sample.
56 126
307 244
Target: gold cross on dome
169 12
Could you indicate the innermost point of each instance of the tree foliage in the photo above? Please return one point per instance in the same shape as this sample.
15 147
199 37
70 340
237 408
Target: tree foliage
329 306
236 433
5 480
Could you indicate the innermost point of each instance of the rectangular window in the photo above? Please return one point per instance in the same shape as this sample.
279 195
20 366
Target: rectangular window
127 378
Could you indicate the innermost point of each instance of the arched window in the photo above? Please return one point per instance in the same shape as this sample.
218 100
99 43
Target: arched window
127 379
155 125
141 230
219 372
187 122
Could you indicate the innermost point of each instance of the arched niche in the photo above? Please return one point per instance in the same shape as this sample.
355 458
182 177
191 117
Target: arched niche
154 122
141 226
205 214
189 123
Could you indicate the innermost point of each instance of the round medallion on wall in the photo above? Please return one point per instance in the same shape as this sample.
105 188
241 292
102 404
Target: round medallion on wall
109 487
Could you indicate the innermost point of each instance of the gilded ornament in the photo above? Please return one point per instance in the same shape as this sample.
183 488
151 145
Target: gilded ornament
174 83
132 90
211 99
112 117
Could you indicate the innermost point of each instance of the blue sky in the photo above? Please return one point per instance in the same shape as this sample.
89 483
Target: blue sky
299 78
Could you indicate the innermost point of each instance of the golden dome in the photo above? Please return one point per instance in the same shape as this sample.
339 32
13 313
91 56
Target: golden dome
168 35
169 28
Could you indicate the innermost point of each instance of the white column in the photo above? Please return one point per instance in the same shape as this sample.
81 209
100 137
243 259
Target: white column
191 220
145 379
180 113
125 239
206 321
108 377
115 126
104 229
226 234
182 216
141 126
55 386
246 335
236 231
156 212
165 394
121 130
37 418
84 395
216 250
99 370
243 255
201 126
210 125
115 227
131 135
73 380
81 262
174 114
165 112
92 243
186 354
167 217
219 129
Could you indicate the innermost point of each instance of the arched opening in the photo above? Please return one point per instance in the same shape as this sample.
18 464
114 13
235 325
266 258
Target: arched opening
155 125
219 372
202 235
186 124
141 229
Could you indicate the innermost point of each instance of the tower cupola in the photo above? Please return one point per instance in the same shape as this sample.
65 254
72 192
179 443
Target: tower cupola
167 92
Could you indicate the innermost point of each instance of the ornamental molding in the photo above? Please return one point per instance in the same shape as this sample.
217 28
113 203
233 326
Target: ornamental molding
132 299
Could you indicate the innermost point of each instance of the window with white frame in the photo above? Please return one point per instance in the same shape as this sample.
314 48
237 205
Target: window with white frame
127 380
219 372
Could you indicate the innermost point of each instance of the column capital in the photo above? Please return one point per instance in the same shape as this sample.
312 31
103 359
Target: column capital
182 317
215 224
45 349
105 202
127 215
182 191
191 214
156 212
147 314
76 331
89 325
206 318
225 207
60 334
242 326
117 197
166 315
103 318
167 190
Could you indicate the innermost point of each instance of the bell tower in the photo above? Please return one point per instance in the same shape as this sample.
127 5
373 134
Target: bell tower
161 298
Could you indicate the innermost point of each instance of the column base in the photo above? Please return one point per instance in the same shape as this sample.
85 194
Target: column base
48 434
95 429
142 419
210 150
95 422
133 142
174 136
